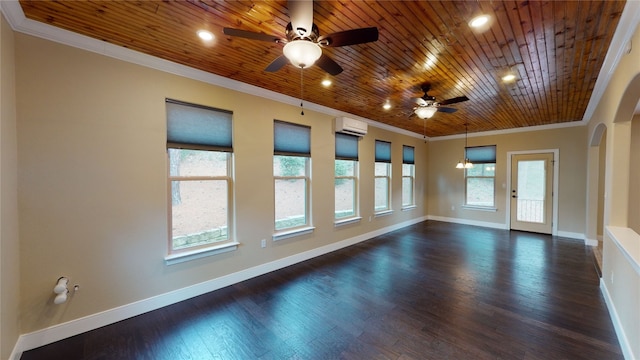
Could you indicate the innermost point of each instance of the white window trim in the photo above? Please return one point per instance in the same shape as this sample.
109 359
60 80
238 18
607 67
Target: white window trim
413 186
307 211
383 213
347 221
201 253
289 233
356 195
388 177
479 207
215 247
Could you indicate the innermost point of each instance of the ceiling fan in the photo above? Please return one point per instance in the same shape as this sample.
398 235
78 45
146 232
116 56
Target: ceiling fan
427 104
303 43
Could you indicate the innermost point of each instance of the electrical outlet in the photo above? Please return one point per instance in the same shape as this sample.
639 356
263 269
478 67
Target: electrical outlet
263 243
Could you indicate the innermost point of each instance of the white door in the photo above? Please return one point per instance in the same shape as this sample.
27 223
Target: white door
531 192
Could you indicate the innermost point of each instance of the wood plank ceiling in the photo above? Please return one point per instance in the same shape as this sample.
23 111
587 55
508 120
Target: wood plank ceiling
555 49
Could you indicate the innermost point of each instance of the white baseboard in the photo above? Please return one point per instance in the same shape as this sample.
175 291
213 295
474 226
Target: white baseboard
468 222
617 325
62 331
572 235
590 242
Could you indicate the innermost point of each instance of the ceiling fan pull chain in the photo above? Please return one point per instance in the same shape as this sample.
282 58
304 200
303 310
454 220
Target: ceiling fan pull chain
301 90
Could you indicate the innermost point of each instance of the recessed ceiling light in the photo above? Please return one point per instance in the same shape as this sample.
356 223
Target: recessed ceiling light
431 61
386 106
508 78
205 35
479 21
326 83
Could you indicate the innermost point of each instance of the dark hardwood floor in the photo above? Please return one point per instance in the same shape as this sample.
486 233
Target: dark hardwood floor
429 291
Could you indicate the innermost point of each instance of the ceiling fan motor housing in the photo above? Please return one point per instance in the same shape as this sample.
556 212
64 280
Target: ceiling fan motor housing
292 34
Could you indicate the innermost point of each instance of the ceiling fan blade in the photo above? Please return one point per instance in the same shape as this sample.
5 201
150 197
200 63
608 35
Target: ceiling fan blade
446 109
454 100
327 64
252 35
301 16
277 64
421 102
350 37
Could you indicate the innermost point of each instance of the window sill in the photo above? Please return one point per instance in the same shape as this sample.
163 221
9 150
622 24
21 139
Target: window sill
383 213
292 233
200 253
347 221
480 208
410 207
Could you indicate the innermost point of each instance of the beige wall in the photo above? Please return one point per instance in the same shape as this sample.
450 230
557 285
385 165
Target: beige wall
93 196
446 186
615 111
9 243
634 176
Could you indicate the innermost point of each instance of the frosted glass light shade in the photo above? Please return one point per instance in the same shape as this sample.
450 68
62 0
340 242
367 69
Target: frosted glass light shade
302 53
425 112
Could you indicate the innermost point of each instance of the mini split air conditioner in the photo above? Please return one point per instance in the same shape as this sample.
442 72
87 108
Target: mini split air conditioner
351 126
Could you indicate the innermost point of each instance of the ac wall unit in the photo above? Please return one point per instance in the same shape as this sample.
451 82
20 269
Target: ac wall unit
351 126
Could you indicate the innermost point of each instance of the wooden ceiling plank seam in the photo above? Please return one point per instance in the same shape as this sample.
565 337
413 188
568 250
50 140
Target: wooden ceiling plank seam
542 73
516 18
558 44
551 98
482 84
531 41
598 44
508 63
579 54
567 66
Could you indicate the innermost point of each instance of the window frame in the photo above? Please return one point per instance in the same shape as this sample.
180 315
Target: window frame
480 155
408 159
347 149
288 151
383 156
175 256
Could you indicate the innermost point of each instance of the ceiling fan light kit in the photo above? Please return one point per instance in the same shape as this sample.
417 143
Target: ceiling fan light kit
425 112
302 53
303 43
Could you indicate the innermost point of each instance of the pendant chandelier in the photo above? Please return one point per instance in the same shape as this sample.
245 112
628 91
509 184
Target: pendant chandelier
466 164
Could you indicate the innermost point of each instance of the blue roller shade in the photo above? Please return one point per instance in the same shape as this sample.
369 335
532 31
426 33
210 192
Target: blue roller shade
346 147
408 155
383 151
291 139
196 126
481 154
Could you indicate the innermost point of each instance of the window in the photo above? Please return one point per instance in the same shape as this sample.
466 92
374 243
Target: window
382 177
346 176
408 177
292 150
480 179
199 148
